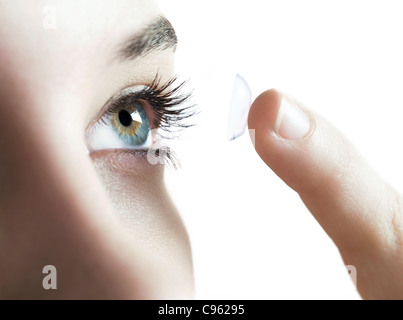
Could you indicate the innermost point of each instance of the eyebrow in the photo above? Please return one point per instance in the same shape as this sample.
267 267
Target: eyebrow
157 36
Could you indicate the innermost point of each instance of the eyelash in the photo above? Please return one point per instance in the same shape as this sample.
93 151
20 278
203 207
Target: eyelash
171 108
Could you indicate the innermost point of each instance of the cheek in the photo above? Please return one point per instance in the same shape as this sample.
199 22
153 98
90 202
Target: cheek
137 192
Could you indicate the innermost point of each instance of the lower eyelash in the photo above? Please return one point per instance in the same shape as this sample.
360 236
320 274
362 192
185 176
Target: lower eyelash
166 157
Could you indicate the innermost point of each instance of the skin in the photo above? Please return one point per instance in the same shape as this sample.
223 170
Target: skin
104 220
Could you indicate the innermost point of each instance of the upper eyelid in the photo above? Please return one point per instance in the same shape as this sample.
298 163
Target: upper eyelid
126 91
145 89
169 104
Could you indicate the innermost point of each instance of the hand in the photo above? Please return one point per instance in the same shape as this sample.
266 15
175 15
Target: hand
358 210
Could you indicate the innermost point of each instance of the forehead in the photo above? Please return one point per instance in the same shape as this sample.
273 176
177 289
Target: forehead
61 30
53 51
75 16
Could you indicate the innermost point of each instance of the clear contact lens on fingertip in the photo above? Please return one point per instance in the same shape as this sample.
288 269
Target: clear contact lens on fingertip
241 101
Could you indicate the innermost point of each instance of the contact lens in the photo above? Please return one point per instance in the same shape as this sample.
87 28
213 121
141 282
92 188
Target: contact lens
241 101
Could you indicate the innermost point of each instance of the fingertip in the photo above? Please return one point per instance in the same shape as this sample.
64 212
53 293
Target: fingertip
274 114
264 110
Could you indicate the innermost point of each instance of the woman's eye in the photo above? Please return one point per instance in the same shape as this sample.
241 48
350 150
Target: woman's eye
131 125
140 116
126 126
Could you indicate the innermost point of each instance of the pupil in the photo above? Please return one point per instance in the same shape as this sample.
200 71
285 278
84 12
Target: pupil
125 118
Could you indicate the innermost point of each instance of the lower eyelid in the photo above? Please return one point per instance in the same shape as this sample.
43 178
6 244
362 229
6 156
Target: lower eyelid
126 160
139 159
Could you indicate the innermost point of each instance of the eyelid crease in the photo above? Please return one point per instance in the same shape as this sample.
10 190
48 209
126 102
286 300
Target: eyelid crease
108 104
126 95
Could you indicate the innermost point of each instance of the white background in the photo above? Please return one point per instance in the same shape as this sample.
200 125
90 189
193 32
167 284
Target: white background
252 237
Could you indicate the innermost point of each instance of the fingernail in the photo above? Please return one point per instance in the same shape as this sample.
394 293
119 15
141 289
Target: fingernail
292 122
